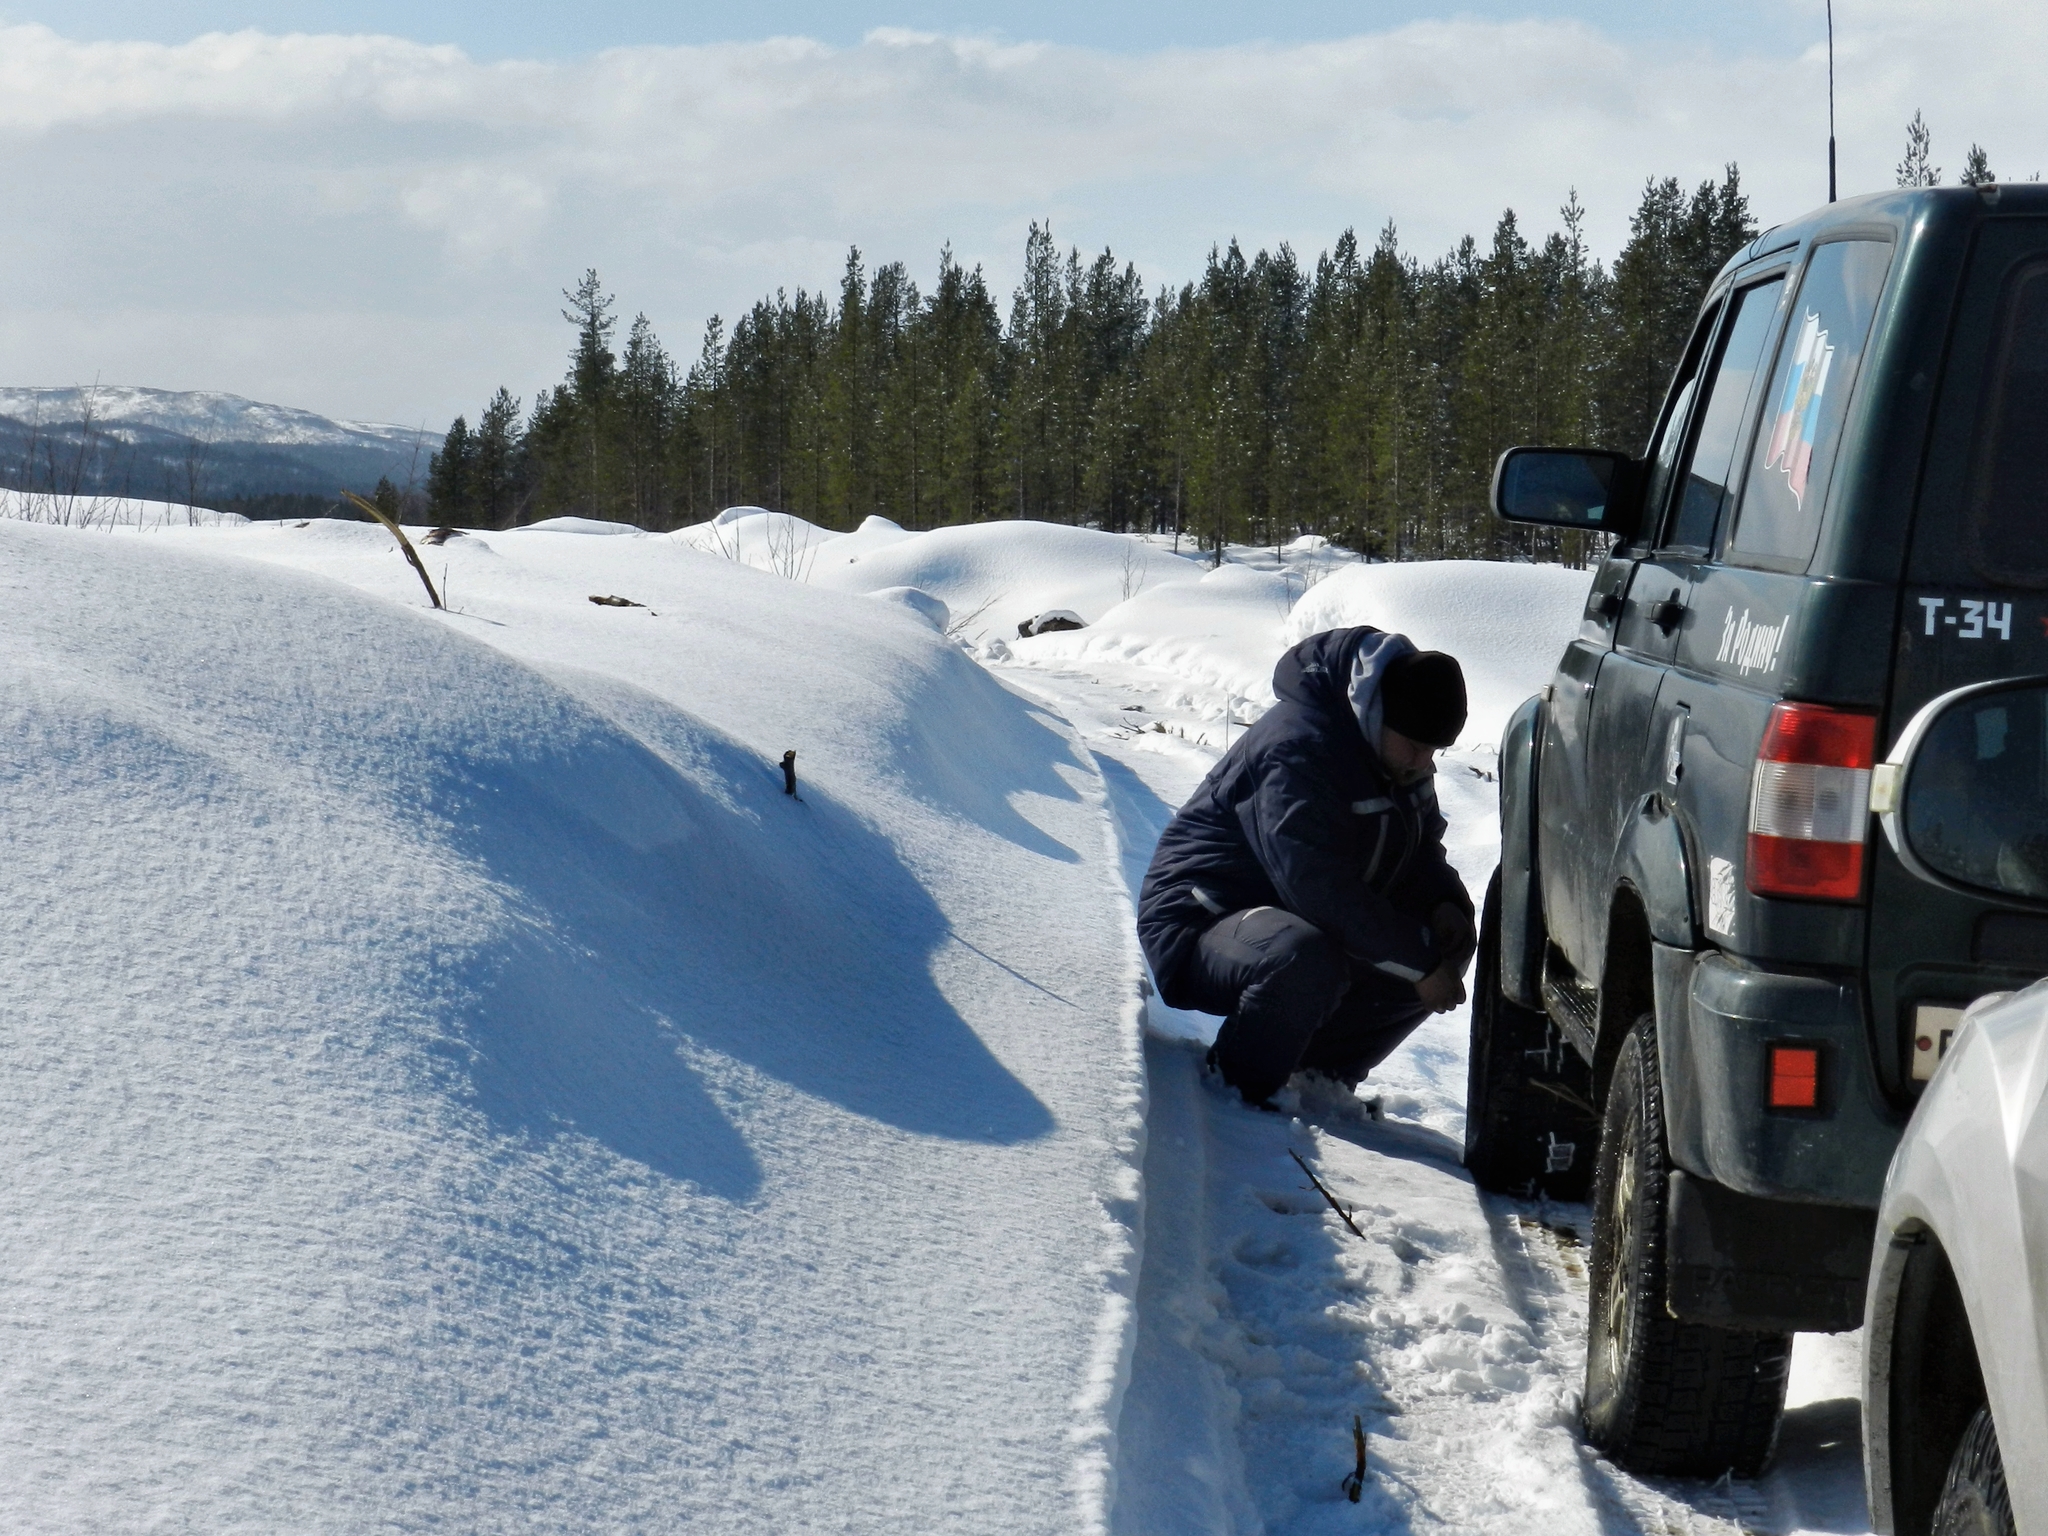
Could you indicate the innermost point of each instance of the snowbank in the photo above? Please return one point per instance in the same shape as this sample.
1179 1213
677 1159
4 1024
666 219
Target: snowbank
1222 630
1506 623
593 525
768 541
109 511
451 1084
995 575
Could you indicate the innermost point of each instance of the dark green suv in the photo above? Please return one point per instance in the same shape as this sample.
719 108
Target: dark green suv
1706 994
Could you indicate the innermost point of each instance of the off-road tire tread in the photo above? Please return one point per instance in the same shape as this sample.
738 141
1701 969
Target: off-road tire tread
1508 1120
1703 1400
1974 1500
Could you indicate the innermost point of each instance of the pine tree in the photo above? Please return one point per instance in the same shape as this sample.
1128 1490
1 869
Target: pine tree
647 391
1914 170
495 471
451 476
1977 170
1365 395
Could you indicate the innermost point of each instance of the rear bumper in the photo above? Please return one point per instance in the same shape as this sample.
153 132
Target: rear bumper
1716 1018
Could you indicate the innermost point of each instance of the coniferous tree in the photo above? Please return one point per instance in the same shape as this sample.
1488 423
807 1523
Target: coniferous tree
1364 396
496 466
451 476
1915 170
1977 170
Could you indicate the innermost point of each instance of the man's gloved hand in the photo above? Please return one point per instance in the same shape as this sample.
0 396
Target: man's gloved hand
1444 988
1454 935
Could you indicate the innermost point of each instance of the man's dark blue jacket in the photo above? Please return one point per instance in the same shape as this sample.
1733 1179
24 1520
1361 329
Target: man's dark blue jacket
1300 814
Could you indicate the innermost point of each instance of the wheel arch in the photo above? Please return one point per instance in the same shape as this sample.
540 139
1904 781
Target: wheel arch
1922 1379
1628 987
1523 931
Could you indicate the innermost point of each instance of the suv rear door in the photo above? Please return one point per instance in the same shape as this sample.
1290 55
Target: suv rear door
1744 604
1974 607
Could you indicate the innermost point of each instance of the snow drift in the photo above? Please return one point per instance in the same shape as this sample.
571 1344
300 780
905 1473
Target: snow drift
995 575
1222 630
451 1084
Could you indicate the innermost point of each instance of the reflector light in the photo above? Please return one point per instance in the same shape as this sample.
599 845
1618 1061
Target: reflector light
1809 803
1795 1077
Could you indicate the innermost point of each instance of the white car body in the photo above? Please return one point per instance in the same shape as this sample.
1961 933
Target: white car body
1970 1181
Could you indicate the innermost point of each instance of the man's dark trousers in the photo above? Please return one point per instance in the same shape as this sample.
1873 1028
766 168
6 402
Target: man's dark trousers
1293 1000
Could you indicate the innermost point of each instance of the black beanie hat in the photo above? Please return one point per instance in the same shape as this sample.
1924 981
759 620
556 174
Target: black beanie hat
1423 697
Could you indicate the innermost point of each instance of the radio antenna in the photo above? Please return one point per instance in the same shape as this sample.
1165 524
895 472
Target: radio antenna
1831 100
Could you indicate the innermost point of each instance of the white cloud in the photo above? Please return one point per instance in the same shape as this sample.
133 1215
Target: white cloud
416 210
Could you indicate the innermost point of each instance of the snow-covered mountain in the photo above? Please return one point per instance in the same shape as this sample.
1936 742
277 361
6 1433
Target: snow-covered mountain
194 444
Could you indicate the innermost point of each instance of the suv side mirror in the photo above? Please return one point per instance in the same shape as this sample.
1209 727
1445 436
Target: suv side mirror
1587 488
1963 798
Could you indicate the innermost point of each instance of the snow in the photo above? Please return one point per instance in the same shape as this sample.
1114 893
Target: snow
768 541
450 1083
453 1085
994 576
917 601
108 511
1223 630
576 525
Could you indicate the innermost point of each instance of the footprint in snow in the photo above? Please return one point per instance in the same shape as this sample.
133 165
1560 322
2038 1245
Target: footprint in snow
1265 1253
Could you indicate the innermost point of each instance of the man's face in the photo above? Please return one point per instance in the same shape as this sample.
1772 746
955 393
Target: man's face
1407 760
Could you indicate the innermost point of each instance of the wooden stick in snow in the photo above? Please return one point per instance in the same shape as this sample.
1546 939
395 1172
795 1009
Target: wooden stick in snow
404 543
1346 1215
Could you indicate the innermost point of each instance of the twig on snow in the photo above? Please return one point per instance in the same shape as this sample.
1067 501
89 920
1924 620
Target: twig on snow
1346 1215
1354 1481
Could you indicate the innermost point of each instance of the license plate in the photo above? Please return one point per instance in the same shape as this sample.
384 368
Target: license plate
1934 1025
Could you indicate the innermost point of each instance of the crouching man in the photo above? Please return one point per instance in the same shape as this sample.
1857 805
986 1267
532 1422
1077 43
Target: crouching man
1303 892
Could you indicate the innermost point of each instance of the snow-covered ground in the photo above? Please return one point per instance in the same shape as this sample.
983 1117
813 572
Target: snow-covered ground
454 1086
109 511
450 1085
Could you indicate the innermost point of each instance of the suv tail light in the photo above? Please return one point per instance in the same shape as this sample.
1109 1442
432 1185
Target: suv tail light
1809 804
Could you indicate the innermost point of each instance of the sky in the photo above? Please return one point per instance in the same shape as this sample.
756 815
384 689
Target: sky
369 209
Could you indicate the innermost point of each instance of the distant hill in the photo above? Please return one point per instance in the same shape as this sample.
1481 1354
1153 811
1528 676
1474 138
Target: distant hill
195 446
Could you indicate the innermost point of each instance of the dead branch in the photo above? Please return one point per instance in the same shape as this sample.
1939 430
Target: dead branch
1354 1480
1346 1215
404 543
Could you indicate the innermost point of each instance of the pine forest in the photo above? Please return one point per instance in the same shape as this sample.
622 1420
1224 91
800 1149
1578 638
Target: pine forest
1363 398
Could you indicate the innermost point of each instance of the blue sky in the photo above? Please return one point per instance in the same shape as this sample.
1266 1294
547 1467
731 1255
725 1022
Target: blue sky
335 208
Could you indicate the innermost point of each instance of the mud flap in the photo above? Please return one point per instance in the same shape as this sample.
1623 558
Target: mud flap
1768 1266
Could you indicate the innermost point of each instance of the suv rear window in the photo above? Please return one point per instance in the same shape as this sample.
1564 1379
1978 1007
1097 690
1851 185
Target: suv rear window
1807 401
2009 480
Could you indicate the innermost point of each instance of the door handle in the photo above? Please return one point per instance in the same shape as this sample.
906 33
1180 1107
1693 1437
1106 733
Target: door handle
1667 614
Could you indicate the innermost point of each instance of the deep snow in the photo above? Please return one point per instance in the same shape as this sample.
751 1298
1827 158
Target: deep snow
451 1084
459 1088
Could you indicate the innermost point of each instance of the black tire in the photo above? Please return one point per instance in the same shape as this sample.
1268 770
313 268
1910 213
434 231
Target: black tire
1530 1128
1974 1501
1663 1397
